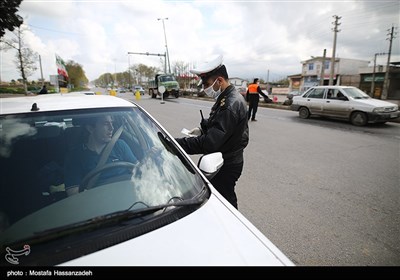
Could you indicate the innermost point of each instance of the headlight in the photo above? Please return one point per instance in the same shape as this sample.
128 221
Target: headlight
379 110
386 109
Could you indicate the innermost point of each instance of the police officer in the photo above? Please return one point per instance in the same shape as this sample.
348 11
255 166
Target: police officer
225 130
252 96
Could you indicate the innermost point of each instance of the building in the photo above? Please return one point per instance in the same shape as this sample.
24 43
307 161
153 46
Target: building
238 82
316 71
377 73
348 72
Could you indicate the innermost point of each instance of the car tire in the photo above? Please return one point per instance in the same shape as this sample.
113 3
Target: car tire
304 113
358 118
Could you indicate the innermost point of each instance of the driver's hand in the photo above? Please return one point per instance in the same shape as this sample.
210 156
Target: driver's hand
195 131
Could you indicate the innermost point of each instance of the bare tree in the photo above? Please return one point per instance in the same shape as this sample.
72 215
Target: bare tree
25 58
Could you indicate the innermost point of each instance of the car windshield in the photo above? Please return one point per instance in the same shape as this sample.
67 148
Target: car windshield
356 93
166 79
43 154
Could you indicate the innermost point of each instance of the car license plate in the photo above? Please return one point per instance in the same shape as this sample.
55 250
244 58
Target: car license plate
393 115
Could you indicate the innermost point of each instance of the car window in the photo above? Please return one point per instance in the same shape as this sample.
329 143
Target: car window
332 93
356 93
316 93
33 163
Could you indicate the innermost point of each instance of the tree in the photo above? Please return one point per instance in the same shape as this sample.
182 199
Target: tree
25 57
141 71
104 80
8 17
76 74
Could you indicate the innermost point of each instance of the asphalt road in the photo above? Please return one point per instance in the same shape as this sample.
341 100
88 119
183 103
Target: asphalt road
325 192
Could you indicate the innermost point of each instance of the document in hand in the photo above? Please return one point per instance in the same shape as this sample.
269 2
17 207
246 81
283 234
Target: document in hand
187 132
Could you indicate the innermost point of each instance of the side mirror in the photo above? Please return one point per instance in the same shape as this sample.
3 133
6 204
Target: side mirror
210 164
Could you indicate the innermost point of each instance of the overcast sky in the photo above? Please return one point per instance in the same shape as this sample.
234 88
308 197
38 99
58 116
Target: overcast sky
256 38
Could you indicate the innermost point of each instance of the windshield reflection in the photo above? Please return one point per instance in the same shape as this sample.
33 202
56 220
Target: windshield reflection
33 150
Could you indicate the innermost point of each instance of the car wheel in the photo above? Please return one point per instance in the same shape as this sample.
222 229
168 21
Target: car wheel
358 118
304 113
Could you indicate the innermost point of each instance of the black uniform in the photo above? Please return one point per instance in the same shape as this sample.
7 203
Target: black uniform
226 131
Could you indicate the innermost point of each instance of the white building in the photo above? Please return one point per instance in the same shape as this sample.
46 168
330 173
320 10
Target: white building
346 71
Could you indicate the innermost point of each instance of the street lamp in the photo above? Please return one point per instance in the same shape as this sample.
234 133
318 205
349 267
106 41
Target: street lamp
166 45
129 73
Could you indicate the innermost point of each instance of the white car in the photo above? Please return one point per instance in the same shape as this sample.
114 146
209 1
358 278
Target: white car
344 102
159 211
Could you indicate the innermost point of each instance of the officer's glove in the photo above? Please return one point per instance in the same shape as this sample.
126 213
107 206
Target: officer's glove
195 131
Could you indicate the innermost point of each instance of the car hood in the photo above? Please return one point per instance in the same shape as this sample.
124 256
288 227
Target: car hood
374 102
213 235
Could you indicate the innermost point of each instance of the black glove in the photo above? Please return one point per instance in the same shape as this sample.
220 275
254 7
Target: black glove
204 125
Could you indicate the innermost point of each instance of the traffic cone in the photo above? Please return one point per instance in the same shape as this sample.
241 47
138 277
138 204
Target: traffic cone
137 95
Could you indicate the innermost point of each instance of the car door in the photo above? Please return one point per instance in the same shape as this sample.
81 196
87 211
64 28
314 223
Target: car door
314 100
336 104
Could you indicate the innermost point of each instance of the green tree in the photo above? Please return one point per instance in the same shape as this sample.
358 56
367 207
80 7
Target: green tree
8 16
76 74
104 80
141 71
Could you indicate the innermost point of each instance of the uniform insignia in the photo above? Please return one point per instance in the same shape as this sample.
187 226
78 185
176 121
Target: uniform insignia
222 102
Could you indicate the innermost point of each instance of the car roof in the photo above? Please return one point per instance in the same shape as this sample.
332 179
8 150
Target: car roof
334 86
59 102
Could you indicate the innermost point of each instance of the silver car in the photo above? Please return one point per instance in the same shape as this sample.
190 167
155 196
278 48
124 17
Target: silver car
344 102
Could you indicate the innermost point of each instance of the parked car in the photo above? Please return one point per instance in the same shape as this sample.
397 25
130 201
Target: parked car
163 212
344 102
138 88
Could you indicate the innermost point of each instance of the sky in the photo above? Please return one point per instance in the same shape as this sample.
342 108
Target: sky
263 39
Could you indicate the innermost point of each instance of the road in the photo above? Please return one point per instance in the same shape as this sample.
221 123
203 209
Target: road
323 191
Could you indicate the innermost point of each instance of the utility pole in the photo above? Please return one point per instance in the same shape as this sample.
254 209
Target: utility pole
321 80
335 31
129 73
386 81
41 71
166 45
373 75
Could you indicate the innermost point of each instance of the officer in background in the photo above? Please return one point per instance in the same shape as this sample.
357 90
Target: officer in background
252 96
226 130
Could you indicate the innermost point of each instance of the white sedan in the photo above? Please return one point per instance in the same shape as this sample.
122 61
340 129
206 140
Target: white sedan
159 210
344 102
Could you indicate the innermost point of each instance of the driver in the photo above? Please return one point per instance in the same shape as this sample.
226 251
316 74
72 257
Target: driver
85 157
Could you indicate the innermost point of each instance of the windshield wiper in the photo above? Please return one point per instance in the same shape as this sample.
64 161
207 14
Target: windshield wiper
105 220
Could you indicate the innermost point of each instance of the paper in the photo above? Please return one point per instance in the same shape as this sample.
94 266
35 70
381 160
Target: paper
187 132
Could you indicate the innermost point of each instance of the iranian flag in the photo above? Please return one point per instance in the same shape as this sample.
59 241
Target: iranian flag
61 70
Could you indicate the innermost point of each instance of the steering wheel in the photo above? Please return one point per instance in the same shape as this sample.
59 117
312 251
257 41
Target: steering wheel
90 178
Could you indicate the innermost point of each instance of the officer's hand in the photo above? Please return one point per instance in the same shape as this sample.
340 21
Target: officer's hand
195 131
203 125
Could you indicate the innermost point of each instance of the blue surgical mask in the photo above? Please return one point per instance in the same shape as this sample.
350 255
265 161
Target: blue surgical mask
211 92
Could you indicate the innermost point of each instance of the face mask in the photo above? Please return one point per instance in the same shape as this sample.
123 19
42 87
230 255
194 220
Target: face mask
211 92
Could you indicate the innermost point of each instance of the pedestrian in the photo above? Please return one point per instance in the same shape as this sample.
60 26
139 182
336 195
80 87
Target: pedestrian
252 96
225 130
43 90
